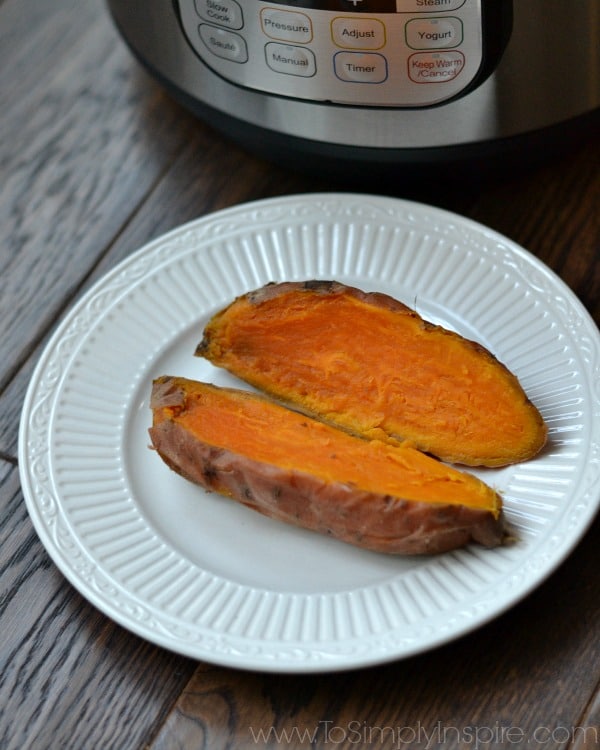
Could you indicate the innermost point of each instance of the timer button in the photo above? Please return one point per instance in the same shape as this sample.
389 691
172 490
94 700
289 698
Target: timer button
360 67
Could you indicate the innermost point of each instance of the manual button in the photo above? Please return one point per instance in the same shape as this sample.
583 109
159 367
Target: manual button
290 60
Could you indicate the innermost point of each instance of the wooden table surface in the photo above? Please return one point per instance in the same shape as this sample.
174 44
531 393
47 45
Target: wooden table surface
96 160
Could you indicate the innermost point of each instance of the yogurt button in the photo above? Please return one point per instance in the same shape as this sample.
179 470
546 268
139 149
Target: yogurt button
434 33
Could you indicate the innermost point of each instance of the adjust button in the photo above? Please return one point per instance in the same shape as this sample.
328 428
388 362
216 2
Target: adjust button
358 33
224 43
434 33
222 12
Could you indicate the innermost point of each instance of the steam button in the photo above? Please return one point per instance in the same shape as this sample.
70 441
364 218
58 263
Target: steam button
427 6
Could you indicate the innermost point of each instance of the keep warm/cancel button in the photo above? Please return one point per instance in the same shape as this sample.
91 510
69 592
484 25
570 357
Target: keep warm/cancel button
435 67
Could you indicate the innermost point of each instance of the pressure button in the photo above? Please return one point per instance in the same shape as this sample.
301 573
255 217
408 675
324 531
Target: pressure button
286 26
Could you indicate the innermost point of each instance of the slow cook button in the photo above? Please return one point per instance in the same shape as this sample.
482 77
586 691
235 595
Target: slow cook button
286 25
358 33
224 43
434 33
222 12
435 67
360 67
290 60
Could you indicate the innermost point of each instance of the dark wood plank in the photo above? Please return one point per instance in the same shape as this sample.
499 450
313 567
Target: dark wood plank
208 174
553 213
85 137
69 677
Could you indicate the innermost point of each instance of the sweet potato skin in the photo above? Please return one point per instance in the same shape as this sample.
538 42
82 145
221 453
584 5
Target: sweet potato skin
418 418
369 520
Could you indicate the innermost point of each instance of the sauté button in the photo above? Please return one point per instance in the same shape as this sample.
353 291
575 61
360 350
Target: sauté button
224 43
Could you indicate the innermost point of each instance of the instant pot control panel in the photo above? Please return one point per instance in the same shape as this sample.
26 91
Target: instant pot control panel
400 53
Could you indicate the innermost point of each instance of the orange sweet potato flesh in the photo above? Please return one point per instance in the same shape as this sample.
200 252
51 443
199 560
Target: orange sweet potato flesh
372 494
370 364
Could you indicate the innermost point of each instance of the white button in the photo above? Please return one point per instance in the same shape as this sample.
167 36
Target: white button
354 33
358 67
435 67
427 6
290 60
224 43
434 33
222 12
286 25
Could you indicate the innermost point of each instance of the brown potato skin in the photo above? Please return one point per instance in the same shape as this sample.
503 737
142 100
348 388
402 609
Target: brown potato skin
372 521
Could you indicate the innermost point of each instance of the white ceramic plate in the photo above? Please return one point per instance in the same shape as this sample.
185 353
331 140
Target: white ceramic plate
210 579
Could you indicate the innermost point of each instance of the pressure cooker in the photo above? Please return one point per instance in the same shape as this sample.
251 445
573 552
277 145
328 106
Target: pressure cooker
378 87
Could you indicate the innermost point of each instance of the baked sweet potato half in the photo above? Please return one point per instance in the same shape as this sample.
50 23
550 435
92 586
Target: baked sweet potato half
368 363
383 497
